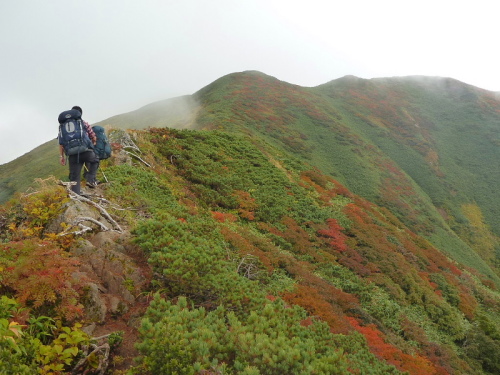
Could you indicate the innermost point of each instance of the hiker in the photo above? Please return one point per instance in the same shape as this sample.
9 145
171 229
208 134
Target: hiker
76 141
102 150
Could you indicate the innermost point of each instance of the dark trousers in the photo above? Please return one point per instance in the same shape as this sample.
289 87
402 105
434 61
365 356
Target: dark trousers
76 164
90 170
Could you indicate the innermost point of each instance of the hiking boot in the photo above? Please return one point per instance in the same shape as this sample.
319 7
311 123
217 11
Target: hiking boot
92 184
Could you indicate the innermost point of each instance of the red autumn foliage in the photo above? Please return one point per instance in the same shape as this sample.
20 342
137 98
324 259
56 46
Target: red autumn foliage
246 204
40 274
313 302
468 303
245 246
414 365
297 236
334 232
223 217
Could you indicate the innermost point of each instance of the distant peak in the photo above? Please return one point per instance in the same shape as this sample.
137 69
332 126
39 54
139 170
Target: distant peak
249 73
350 77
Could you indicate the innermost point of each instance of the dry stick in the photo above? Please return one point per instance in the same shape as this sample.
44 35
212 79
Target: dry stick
85 218
103 362
100 337
138 157
77 232
105 213
68 184
246 264
101 210
103 365
78 221
104 175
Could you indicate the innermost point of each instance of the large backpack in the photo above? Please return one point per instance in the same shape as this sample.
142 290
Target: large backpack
72 135
102 147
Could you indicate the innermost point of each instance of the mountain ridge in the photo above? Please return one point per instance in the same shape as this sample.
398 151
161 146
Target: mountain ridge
375 136
355 221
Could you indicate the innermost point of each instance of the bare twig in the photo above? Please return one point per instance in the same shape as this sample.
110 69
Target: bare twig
100 337
85 218
103 349
100 208
103 174
68 184
137 157
121 137
172 157
248 267
79 222
76 232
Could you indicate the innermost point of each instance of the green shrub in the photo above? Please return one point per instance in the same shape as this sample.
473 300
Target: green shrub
183 340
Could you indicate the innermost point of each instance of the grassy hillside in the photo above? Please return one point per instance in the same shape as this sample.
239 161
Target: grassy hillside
377 138
441 132
19 174
444 135
262 264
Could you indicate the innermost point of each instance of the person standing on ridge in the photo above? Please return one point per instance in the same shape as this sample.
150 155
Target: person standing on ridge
76 141
102 151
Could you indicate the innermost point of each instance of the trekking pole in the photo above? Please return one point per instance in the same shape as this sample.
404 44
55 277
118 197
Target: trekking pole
86 171
104 175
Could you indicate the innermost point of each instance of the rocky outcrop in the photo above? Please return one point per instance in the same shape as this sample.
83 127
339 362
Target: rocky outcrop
114 279
112 268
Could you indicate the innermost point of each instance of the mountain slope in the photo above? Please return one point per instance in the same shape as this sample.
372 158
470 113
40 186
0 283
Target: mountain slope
19 174
425 148
264 265
336 137
443 133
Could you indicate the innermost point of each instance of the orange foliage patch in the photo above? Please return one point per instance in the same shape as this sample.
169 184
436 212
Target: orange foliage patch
244 246
223 217
415 365
314 303
246 204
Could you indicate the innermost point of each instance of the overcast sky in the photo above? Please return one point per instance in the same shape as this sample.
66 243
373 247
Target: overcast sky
114 56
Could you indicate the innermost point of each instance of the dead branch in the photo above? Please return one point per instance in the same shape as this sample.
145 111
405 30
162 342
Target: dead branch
85 218
172 157
100 208
138 157
103 350
77 232
248 267
67 184
79 222
100 337
121 137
